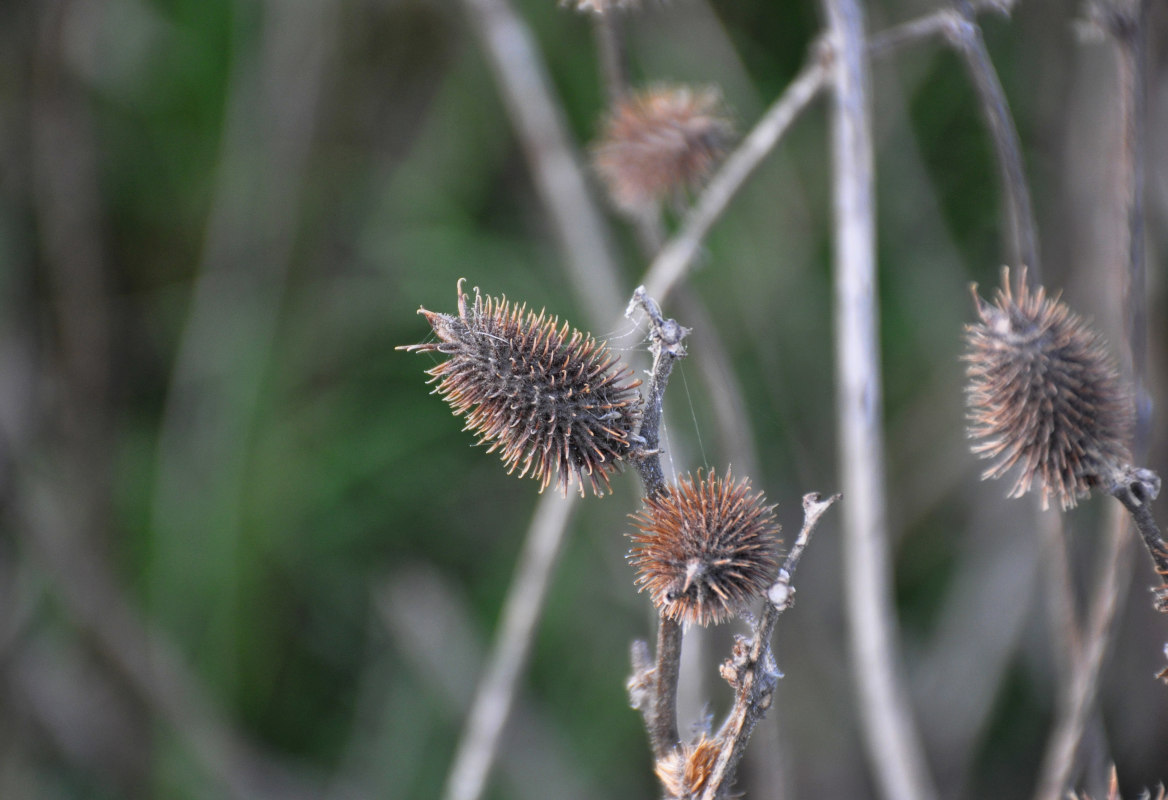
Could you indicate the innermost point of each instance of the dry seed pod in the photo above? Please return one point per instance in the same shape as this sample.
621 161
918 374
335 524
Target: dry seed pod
551 399
658 143
1044 395
685 769
705 549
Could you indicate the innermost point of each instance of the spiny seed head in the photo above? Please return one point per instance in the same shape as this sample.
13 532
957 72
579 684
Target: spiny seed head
551 399
685 769
658 143
1044 395
705 549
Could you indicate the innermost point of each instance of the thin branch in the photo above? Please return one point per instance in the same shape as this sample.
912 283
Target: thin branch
960 29
495 693
965 35
663 730
522 78
1136 490
613 56
752 670
887 41
679 253
666 339
893 746
1128 24
675 258
666 342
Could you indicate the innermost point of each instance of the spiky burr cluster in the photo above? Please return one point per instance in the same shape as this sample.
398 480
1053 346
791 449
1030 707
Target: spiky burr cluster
658 143
705 549
551 399
1044 396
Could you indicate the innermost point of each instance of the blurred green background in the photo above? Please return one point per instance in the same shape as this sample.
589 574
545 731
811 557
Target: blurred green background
245 553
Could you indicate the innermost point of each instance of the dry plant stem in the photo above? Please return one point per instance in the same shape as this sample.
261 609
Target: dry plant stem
757 674
610 50
965 36
666 337
884 43
1135 491
675 258
539 123
959 27
1128 24
495 693
679 253
893 746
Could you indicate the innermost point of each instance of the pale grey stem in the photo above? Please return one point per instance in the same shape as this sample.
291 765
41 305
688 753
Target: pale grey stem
885 42
959 27
1128 24
893 745
611 52
964 34
508 657
678 255
675 258
539 123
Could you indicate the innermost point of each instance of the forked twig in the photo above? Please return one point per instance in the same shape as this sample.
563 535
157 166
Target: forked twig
965 35
751 669
959 27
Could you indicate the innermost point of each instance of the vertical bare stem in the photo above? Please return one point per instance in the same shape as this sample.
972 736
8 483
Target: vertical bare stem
1129 26
891 739
610 49
664 735
666 343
